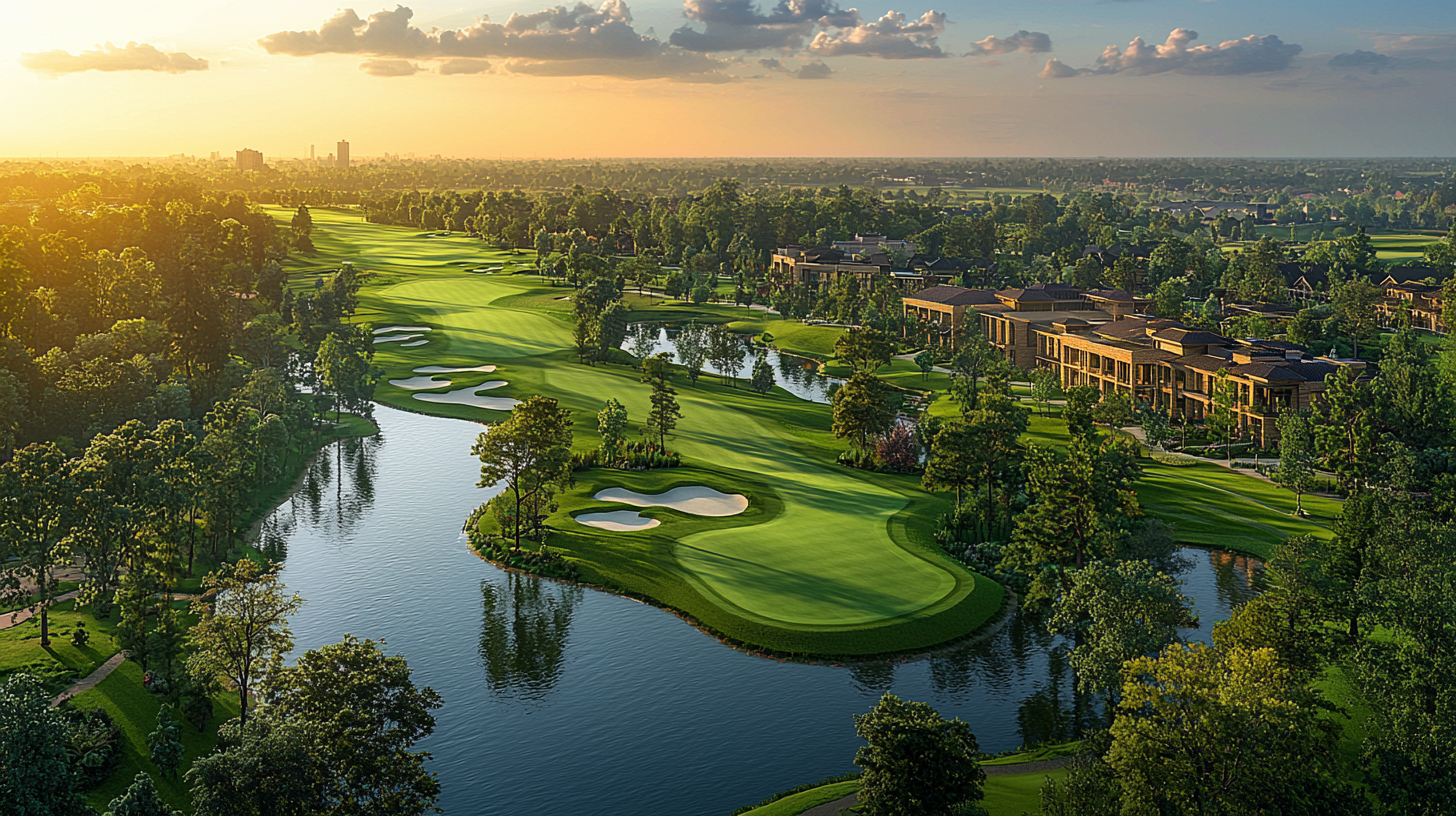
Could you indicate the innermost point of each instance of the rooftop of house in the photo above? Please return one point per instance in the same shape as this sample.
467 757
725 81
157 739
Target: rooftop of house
955 296
1407 274
1190 337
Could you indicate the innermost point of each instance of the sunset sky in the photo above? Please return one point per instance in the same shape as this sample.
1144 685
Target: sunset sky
730 78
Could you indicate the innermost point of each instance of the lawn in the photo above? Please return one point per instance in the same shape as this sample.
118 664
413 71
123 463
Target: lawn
1011 795
844 566
60 664
134 709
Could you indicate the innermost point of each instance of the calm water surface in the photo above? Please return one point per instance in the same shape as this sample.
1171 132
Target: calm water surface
797 375
563 700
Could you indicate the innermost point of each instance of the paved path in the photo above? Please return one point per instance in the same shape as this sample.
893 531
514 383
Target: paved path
91 680
10 619
1039 766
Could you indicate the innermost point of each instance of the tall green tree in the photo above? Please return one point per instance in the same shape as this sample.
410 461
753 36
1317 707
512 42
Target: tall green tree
530 453
864 350
691 346
165 742
916 762
1205 730
365 714
861 410
1118 611
140 799
612 428
1346 432
1296 455
37 777
242 626
346 369
38 499
664 412
1355 305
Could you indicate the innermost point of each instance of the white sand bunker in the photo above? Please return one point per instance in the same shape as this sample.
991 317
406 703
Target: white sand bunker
419 383
415 343
471 396
618 521
484 369
695 500
393 329
394 338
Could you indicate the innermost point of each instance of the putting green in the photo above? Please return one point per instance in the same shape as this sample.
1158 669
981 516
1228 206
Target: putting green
825 561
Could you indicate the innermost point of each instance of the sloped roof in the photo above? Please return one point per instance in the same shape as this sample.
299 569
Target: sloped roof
1190 337
1407 274
1024 294
955 296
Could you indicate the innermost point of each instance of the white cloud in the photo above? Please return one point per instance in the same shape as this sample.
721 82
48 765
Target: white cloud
132 57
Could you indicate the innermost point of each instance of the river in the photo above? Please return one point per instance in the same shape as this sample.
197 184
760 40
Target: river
565 700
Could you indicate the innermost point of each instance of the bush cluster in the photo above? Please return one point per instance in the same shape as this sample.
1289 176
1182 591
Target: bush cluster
634 456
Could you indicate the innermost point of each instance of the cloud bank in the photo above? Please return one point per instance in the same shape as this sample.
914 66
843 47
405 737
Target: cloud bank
560 41
1249 55
890 37
133 57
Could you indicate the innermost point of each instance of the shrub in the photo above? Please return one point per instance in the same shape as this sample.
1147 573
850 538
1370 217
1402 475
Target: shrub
95 744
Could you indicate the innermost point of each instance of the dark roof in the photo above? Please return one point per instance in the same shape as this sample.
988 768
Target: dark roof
1110 294
938 264
1313 274
1024 294
1203 362
956 296
1272 371
1072 321
1276 345
1059 291
1190 337
1407 274
1131 327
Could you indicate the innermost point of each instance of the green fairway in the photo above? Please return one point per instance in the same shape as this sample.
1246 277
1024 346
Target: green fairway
845 565
1012 795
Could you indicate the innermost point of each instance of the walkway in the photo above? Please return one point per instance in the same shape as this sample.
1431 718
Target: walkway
10 619
91 680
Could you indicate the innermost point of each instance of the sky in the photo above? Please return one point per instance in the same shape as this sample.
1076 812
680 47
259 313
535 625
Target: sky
742 78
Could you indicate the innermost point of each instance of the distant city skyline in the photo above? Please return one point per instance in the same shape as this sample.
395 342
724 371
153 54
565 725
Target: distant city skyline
732 78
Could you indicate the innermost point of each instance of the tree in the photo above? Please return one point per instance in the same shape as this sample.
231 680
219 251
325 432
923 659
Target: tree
974 355
531 453
1222 416
141 799
261 768
36 773
346 368
165 742
1118 611
38 498
1170 297
863 350
691 347
1079 511
1206 730
1408 394
364 714
1045 387
1345 431
1296 455
1355 305
612 428
1156 431
242 626
925 361
662 417
763 376
726 352
916 762
13 409
861 410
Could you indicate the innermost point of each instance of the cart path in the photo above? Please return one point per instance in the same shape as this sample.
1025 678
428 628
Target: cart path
91 680
11 619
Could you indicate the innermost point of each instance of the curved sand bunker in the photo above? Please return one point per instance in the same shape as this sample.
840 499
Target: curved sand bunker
470 396
618 521
484 369
695 500
394 338
415 343
419 383
405 329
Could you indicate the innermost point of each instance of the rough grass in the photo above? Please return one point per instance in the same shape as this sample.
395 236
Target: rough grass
840 569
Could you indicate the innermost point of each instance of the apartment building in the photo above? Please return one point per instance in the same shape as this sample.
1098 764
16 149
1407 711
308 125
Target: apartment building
249 159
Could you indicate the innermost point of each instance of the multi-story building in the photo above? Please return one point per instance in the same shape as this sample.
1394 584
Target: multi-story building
341 155
869 244
819 268
1099 339
250 159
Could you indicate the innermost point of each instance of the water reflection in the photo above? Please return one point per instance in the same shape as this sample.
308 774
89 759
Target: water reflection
631 709
523 634
796 375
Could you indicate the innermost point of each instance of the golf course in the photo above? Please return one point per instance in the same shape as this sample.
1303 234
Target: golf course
824 561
